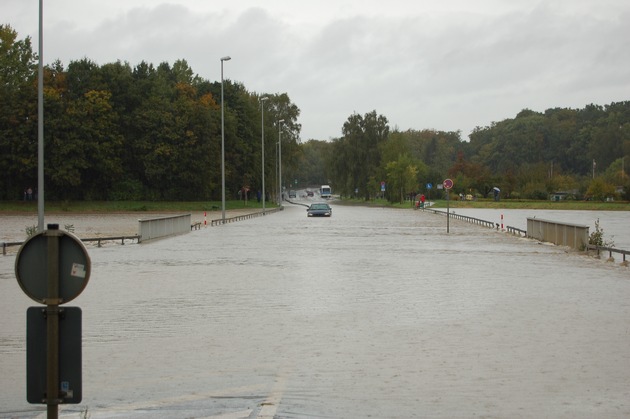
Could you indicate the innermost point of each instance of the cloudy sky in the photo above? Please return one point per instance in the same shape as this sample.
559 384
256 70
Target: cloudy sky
439 64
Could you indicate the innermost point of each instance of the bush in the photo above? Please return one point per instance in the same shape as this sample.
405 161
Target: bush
597 237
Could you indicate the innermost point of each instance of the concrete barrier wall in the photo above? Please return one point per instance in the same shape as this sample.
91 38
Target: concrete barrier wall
563 234
153 228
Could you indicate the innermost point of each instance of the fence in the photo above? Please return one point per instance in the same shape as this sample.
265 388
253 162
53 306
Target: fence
98 240
466 218
610 251
219 221
563 234
576 236
154 228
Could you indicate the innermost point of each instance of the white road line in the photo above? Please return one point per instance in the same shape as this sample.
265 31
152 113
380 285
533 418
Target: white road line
270 405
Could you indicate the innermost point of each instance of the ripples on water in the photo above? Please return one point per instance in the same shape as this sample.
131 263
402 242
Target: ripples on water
372 312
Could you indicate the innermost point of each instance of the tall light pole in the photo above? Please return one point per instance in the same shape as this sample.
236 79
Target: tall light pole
262 147
275 179
40 123
226 58
280 161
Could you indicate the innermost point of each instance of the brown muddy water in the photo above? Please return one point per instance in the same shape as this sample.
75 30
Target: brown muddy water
369 313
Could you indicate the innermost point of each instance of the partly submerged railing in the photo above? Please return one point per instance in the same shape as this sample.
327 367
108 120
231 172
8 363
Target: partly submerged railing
563 234
154 228
98 240
610 251
466 218
219 221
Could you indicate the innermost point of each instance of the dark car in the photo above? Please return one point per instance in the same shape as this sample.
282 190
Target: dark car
309 193
321 209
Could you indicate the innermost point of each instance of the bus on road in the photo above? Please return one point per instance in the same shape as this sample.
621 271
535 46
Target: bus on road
325 191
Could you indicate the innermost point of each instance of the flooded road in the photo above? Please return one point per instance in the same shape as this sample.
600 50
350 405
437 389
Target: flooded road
370 313
615 225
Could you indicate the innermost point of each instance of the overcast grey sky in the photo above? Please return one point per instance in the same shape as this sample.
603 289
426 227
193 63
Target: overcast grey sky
447 65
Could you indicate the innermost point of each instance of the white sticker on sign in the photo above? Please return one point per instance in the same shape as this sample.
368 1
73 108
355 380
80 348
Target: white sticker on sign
78 270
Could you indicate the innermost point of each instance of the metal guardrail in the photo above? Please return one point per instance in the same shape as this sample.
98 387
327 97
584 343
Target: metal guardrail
610 251
122 239
466 218
523 233
6 245
138 237
219 221
164 226
561 233
98 240
516 231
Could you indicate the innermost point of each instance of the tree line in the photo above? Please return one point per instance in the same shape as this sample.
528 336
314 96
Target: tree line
117 132
580 152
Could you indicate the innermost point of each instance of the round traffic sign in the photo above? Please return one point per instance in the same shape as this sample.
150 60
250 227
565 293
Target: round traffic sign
448 183
32 266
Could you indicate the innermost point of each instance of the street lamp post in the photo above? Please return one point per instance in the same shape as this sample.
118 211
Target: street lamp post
262 148
280 161
40 123
226 58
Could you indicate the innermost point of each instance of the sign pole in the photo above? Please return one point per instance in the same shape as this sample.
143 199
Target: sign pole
448 184
52 268
448 211
52 323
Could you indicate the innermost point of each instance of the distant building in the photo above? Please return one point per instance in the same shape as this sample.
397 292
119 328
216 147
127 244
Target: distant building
562 195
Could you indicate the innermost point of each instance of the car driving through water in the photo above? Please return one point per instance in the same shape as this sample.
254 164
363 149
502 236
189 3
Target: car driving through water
320 209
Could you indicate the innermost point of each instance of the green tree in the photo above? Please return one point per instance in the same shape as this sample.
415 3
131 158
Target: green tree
469 177
18 114
313 163
360 156
600 190
402 178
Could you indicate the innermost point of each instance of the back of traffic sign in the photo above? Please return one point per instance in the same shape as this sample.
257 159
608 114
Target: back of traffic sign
70 356
32 264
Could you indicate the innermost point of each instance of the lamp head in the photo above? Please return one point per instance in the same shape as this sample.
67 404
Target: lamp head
226 58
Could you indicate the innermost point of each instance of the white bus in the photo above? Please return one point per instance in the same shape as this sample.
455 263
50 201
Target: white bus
325 191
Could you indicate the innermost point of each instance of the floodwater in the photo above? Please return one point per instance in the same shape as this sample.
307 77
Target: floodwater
615 225
370 313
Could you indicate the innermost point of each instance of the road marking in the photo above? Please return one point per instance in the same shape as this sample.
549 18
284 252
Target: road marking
270 405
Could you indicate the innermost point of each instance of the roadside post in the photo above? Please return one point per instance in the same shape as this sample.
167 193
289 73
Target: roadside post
53 268
448 184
